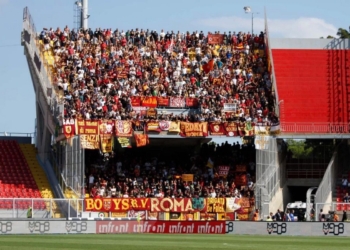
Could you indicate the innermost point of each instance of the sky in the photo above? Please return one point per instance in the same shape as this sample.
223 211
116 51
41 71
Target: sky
286 19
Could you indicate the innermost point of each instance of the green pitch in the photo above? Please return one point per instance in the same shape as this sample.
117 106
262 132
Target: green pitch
167 242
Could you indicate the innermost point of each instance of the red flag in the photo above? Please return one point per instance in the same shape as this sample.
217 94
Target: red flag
209 66
141 140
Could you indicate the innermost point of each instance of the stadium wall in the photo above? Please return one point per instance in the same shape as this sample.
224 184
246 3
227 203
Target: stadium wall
188 227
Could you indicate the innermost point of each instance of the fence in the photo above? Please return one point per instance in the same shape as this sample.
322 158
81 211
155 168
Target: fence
269 175
68 162
329 128
41 208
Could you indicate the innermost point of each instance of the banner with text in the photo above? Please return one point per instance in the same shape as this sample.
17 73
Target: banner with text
87 127
117 204
123 128
194 129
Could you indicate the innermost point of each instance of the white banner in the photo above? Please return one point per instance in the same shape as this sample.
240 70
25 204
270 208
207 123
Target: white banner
261 142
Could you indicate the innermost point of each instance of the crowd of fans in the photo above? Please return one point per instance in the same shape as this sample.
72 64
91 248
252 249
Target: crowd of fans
143 173
98 72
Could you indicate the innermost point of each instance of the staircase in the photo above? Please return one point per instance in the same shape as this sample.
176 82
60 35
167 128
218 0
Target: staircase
40 178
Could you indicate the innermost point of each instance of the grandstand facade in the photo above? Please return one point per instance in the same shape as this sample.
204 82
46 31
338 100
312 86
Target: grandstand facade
256 88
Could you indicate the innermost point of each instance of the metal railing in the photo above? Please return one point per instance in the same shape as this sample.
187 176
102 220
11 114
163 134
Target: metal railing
41 208
306 127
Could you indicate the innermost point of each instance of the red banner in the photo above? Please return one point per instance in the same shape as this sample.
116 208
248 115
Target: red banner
87 127
135 101
223 171
192 102
173 227
163 101
177 102
123 128
141 140
69 128
194 129
217 128
117 204
149 101
215 38
106 127
231 128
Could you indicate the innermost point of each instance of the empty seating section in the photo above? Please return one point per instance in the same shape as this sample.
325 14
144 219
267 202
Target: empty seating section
16 180
314 85
302 78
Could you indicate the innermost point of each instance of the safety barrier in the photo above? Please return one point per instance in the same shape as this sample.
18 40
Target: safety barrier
328 128
184 227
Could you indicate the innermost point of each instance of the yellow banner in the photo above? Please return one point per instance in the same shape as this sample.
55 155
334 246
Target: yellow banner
124 142
174 127
187 177
106 143
216 205
90 141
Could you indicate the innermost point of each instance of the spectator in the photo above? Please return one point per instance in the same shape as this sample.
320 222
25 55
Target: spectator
99 72
278 215
346 198
345 216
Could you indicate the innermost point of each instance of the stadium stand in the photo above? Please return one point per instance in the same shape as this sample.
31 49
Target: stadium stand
104 74
140 173
22 177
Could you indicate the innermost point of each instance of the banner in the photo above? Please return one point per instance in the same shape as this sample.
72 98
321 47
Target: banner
261 142
141 111
163 101
164 125
90 141
174 127
69 128
151 112
177 102
273 129
217 81
217 128
106 127
178 204
230 107
241 168
152 126
124 142
139 215
141 140
123 128
249 129
169 227
116 204
223 171
215 38
193 129
231 128
216 205
232 205
192 102
87 127
187 177
241 179
149 101
135 101
106 143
